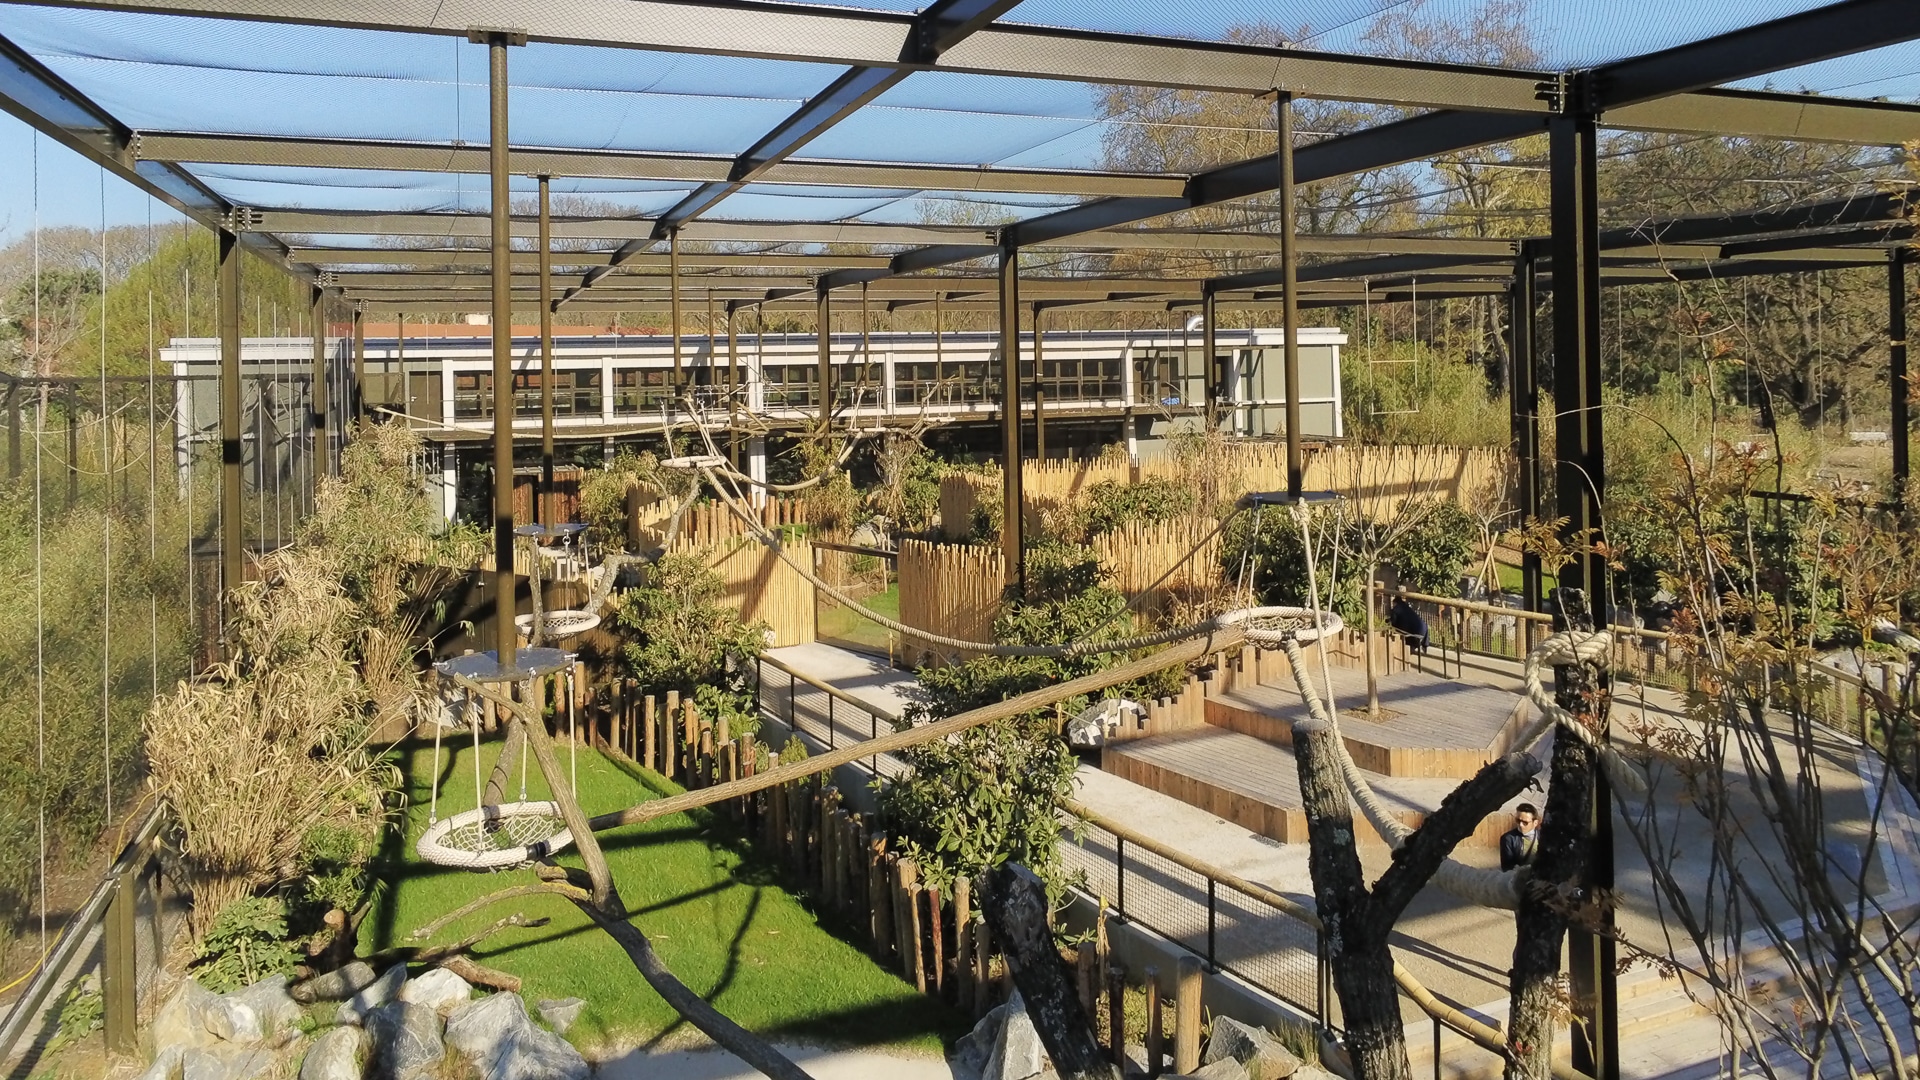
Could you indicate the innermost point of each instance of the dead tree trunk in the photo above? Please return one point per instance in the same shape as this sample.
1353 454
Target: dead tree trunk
1358 920
1016 909
1555 883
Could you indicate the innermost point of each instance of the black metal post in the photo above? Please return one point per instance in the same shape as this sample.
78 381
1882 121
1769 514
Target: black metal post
227 317
542 511
1039 392
823 344
1120 874
1212 370
1212 906
359 366
1524 396
1579 477
1289 298
1897 372
1013 525
317 400
506 582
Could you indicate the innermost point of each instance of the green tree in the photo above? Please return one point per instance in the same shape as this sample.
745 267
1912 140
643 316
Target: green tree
681 633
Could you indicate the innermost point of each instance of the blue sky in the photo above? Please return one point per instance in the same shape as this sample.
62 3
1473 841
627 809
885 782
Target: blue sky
70 188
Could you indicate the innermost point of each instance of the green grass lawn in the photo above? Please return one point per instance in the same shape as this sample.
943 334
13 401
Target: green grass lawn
1512 581
710 905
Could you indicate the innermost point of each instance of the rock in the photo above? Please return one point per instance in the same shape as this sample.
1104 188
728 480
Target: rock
336 985
1017 1053
1253 1047
233 1020
561 1013
1312 1072
270 1001
182 1021
437 989
354 1010
336 1055
406 1041
225 1063
1224 1069
970 1054
502 1044
166 1064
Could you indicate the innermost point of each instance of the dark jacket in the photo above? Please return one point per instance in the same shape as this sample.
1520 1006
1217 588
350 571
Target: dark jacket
1408 622
1516 849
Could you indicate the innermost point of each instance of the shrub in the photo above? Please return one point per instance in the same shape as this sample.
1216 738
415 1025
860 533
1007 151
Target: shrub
1108 505
245 943
680 633
1432 555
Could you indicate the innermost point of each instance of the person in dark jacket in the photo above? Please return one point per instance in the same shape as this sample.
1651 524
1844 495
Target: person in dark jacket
1402 617
1518 844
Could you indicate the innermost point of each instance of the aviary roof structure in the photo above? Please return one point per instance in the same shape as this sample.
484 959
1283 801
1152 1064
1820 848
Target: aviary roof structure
797 147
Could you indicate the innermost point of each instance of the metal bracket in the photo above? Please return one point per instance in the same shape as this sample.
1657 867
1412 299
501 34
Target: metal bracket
484 35
242 219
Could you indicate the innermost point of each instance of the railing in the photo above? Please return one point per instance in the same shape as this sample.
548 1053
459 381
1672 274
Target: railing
131 893
822 712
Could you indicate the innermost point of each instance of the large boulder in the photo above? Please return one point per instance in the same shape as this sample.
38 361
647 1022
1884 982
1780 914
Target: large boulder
337 985
406 1041
354 1010
1017 1051
1224 1069
225 1063
495 1035
437 989
233 1021
1253 1047
166 1064
270 1003
339 1054
182 1021
561 1013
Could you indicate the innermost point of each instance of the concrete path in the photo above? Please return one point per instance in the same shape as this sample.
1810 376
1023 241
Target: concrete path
717 1064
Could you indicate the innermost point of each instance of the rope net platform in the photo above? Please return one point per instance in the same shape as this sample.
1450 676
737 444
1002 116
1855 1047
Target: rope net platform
1272 627
504 837
560 624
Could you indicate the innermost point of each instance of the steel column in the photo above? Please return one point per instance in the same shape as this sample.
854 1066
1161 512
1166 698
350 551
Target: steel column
1578 479
1039 392
1289 289
1524 397
359 365
1013 524
506 583
319 462
228 322
1897 373
541 510
733 391
1209 345
673 285
823 348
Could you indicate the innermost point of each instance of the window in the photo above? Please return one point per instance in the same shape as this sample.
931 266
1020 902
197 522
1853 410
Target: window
575 393
792 386
641 390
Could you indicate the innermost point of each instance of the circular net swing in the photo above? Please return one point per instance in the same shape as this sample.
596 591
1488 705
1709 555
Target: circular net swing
503 836
1271 627
558 625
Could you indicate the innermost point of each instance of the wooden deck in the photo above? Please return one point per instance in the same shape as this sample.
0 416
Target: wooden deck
1255 784
1432 727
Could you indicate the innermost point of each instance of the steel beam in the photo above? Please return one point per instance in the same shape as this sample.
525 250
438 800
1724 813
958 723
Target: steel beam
1765 115
823 346
1580 474
227 323
523 260
506 583
541 509
1013 549
1899 390
1831 30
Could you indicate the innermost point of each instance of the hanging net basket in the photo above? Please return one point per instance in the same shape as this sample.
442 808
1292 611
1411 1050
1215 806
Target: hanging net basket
1270 626
561 624
502 837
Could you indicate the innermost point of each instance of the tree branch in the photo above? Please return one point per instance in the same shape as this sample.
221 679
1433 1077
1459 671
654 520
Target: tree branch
1460 813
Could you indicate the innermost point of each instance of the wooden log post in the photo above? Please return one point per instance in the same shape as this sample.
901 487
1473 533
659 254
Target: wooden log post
797 806
614 719
706 769
879 909
962 941
982 964
1086 957
906 888
1186 1016
936 943
1117 1014
650 723
749 765
1156 1035
842 862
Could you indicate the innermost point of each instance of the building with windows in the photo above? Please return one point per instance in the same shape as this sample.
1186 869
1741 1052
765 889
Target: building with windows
1081 391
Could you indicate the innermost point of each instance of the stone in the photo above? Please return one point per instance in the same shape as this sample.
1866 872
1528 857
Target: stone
225 1063
336 1055
166 1064
354 1010
1253 1047
437 989
270 1001
1312 1072
970 1054
1017 1053
337 985
406 1041
232 1020
560 1013
182 1021
495 1035
1224 1069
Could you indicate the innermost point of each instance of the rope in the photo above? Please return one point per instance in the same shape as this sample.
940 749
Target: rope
433 798
1566 648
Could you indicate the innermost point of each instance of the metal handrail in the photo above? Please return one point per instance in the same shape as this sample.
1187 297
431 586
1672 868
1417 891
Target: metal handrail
74 934
830 691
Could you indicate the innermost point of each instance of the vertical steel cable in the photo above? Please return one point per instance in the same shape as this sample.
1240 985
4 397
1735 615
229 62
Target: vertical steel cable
153 483
39 563
106 529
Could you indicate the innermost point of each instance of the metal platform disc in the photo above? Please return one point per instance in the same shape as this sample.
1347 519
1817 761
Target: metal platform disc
1281 498
527 664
